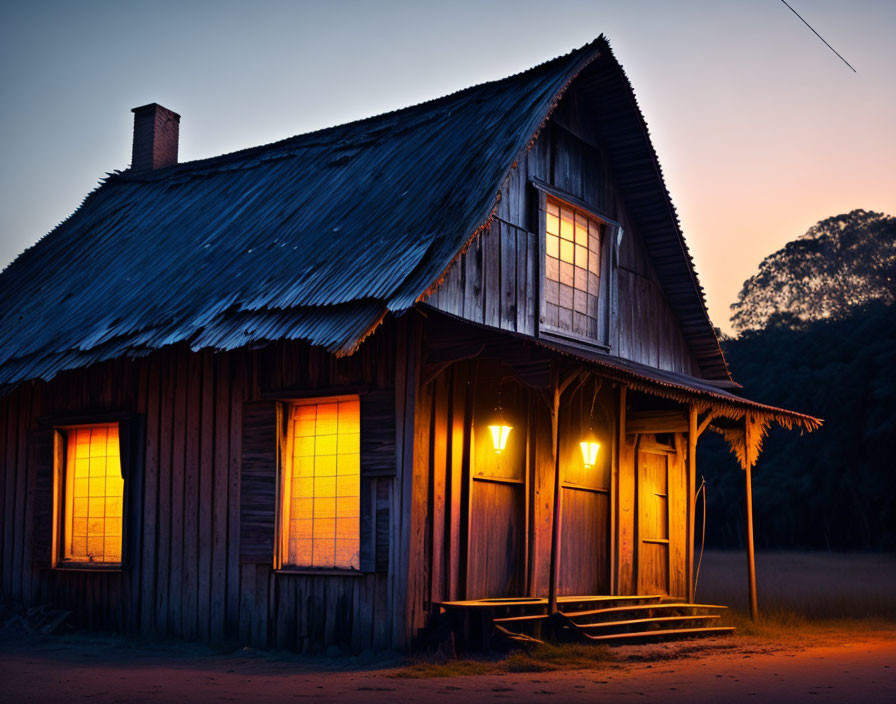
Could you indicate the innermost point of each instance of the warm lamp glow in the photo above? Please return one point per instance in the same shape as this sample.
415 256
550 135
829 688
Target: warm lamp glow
589 446
321 489
94 495
500 433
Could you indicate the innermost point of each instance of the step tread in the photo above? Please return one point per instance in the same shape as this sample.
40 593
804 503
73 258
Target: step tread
527 617
656 619
492 602
666 632
636 607
606 597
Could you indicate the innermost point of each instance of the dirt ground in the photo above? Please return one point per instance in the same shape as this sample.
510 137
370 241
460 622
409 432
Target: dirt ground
844 667
828 635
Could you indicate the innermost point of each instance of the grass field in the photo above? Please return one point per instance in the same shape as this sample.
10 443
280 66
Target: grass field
808 585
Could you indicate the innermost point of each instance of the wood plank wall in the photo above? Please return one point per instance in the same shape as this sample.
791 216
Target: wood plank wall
495 281
191 584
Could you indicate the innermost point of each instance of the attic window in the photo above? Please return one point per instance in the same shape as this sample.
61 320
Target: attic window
93 491
321 485
572 263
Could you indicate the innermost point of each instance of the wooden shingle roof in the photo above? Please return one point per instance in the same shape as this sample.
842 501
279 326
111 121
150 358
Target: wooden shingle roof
316 237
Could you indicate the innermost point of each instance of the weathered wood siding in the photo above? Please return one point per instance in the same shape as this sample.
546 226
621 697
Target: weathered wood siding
184 576
496 281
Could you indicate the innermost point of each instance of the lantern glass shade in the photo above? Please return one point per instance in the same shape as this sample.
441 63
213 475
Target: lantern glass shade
500 433
590 447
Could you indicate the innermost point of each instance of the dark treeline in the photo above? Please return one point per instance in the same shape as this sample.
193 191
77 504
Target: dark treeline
832 489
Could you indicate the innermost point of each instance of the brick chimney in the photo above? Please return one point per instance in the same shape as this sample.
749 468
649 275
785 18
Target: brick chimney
155 137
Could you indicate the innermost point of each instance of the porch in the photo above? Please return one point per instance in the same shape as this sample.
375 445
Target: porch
516 527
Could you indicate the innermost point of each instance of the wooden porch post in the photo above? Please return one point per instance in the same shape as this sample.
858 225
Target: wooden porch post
691 502
751 555
614 495
555 523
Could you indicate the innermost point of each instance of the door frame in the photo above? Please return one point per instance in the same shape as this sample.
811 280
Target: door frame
647 443
523 575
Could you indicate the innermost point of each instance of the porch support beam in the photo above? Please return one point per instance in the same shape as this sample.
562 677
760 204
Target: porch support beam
559 387
555 528
751 555
693 434
704 424
614 494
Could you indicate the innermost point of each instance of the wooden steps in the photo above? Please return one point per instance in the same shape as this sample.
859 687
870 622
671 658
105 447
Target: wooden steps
637 607
652 620
656 619
481 623
661 634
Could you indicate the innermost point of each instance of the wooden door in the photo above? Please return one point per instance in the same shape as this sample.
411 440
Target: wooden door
585 509
653 565
497 500
584 546
495 564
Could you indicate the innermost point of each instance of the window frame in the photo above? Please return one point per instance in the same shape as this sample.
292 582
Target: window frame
284 470
611 238
61 448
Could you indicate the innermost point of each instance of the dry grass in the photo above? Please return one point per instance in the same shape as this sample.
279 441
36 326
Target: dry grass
572 656
539 658
440 666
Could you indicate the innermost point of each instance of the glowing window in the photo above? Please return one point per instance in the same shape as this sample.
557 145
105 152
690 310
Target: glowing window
93 496
571 270
321 487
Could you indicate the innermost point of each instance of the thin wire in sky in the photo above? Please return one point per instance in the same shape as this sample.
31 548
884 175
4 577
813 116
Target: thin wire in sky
819 36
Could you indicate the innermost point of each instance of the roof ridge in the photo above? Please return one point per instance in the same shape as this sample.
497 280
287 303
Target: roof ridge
185 166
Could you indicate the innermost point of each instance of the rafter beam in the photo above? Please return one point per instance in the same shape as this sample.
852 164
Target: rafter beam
704 424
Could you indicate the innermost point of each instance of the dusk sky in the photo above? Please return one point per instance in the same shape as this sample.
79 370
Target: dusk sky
761 130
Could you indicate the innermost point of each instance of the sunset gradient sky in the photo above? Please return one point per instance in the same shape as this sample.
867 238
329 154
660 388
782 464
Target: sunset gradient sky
760 129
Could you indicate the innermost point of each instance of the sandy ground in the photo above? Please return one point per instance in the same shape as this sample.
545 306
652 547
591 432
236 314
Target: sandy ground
74 669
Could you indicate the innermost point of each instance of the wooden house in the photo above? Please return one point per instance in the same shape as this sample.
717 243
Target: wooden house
318 392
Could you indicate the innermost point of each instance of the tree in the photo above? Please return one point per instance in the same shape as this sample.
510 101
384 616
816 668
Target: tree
845 261
834 488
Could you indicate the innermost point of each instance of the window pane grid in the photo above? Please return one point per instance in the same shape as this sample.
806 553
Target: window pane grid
322 515
572 269
94 496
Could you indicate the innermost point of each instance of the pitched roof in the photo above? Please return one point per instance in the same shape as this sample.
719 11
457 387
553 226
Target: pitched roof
316 237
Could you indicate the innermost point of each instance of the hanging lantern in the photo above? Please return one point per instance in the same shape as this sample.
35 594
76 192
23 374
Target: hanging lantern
500 430
500 433
590 447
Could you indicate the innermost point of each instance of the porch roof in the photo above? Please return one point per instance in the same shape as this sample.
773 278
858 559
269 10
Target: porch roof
681 387
455 338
